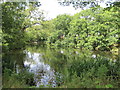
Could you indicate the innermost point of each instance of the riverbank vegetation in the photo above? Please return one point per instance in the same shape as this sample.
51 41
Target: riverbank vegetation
92 29
85 69
72 68
95 28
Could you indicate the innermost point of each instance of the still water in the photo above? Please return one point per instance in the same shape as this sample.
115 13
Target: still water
43 73
46 65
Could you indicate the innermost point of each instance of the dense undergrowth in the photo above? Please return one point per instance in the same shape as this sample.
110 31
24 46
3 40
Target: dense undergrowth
84 70
89 73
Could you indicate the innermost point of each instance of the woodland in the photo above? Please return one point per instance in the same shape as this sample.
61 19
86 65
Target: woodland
93 29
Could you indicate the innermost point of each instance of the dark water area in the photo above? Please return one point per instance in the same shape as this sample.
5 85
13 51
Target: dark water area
47 67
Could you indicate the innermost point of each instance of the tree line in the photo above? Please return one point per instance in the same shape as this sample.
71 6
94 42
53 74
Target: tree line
95 28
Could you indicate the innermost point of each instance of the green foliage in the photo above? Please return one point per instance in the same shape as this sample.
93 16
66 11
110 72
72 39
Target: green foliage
16 80
95 29
61 22
15 19
78 69
60 30
12 20
74 68
87 3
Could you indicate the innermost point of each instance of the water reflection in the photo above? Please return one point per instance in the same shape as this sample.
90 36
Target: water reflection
43 73
51 67
94 56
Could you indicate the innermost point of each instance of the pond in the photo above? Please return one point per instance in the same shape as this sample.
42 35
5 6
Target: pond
47 67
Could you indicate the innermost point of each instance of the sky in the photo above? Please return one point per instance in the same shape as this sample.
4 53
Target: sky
52 9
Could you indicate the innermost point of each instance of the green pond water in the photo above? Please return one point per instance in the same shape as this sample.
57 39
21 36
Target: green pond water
47 67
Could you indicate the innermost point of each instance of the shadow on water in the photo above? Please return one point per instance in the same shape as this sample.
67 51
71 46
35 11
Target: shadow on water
47 66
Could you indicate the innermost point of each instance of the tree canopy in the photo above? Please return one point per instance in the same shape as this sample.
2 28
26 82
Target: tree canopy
86 3
95 28
15 19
